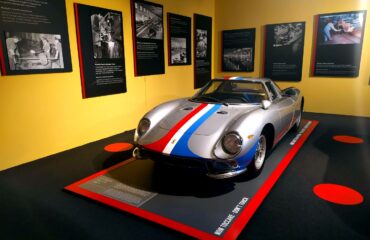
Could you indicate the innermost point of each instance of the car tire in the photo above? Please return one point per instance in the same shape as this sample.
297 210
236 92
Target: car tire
136 153
256 166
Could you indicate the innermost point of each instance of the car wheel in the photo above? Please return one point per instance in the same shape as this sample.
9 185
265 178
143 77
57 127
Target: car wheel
137 154
259 157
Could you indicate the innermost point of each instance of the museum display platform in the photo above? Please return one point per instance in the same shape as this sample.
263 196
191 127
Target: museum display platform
188 202
35 206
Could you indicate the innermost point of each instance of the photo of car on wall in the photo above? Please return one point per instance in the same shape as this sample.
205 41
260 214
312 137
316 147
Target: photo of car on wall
148 19
237 59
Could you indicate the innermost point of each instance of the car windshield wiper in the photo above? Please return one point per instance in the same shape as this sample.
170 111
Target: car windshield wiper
209 98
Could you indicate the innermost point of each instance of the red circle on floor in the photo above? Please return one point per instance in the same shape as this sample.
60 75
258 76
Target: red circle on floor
348 139
118 147
338 194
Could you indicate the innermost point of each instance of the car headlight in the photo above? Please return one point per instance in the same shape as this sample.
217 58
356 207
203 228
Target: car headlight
232 143
143 127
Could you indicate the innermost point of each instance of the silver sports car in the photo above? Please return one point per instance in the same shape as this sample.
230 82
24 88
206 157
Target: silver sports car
226 128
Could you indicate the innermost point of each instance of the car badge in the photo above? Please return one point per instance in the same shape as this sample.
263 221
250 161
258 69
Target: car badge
173 141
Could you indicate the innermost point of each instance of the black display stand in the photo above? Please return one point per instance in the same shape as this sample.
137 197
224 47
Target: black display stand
192 204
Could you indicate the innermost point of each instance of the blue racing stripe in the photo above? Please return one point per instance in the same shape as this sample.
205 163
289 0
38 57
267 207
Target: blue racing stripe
181 148
245 159
236 78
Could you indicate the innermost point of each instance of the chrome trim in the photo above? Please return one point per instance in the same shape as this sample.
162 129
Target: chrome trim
227 174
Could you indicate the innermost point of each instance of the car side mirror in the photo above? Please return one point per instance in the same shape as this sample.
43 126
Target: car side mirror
266 104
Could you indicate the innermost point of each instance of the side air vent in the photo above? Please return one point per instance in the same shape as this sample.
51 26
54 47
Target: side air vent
222 112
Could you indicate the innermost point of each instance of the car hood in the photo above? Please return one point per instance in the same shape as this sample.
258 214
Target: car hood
211 119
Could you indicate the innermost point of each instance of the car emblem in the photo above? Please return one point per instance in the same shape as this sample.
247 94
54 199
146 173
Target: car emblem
173 141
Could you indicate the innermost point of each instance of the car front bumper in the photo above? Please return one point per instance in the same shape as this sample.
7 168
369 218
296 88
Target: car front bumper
213 168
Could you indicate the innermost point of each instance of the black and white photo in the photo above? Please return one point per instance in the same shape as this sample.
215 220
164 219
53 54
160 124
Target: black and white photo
148 21
236 58
148 42
284 51
178 50
34 37
290 34
106 35
29 51
238 50
338 44
201 40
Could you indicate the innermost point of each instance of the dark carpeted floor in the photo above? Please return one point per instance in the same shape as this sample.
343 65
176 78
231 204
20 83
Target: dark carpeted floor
34 206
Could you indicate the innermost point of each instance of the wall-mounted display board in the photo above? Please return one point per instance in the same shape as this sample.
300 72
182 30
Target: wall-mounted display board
147 21
238 50
101 50
338 44
284 51
34 37
179 39
202 50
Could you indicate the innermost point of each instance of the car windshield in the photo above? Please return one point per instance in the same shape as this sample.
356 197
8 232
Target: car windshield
232 92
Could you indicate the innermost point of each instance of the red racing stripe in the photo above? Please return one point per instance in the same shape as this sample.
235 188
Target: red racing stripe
159 145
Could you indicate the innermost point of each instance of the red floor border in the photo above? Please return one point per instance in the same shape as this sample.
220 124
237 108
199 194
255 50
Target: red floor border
235 228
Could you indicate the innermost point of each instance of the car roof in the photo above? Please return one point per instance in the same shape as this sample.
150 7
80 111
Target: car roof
250 79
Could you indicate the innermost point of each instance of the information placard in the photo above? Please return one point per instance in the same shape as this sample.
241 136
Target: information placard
202 50
179 39
338 44
238 50
101 50
284 51
147 20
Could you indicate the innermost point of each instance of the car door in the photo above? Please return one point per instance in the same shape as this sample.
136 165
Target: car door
283 106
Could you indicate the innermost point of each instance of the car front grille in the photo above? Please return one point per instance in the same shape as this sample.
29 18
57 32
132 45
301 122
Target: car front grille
191 163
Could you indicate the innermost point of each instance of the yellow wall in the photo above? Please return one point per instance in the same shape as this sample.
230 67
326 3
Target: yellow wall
44 114
348 96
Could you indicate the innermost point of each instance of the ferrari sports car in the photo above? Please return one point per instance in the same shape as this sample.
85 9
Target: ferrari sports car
225 129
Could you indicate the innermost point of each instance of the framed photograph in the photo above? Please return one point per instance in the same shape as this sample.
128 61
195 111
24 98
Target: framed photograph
34 51
338 44
147 19
179 40
238 50
101 50
202 50
284 51
34 39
